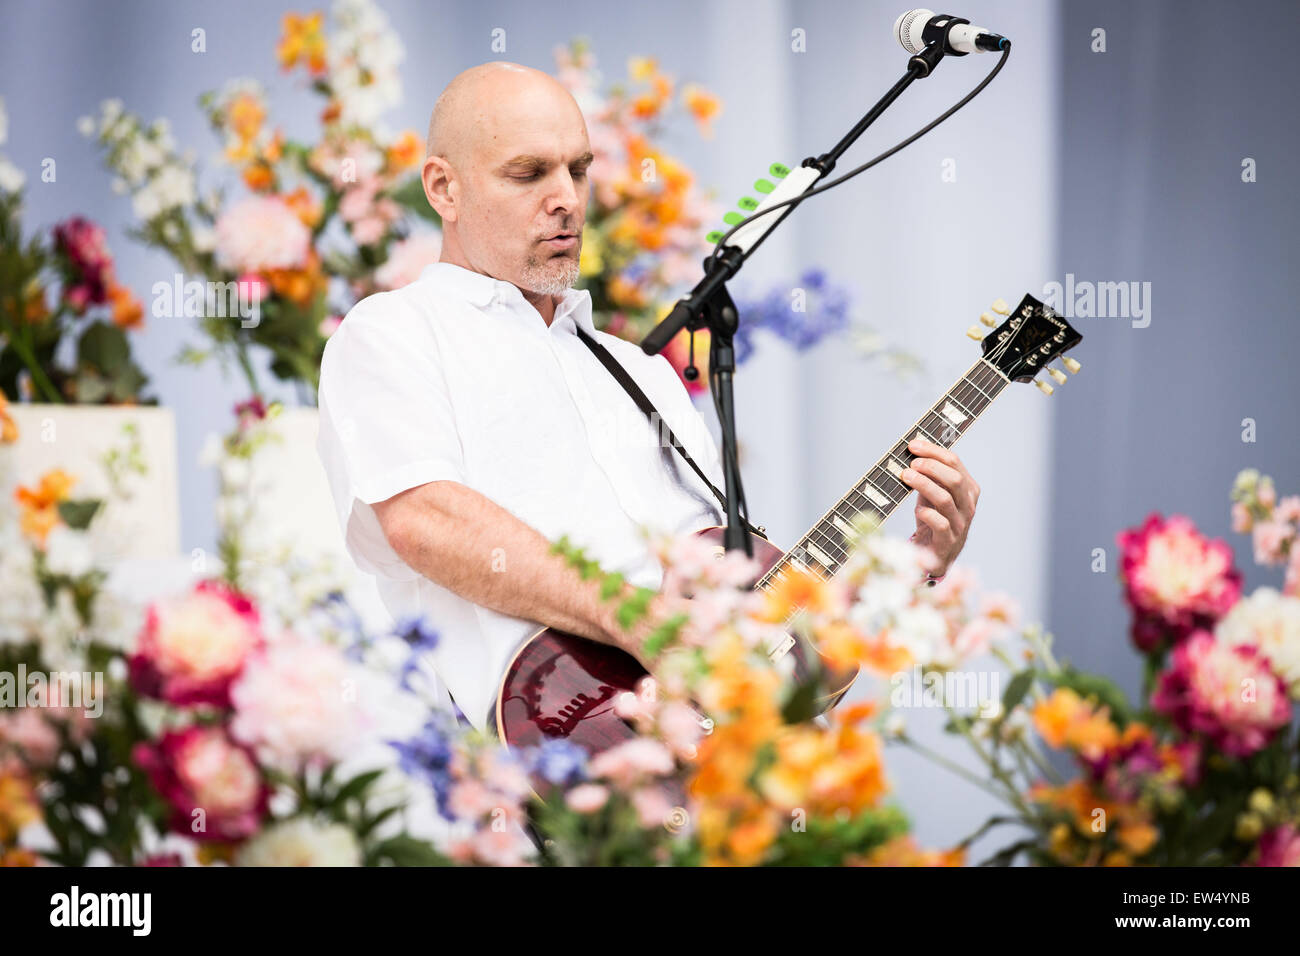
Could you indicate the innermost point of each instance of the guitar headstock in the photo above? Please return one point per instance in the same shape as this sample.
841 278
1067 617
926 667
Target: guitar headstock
1032 335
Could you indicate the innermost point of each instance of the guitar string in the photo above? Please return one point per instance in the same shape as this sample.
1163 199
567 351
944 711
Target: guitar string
971 390
996 381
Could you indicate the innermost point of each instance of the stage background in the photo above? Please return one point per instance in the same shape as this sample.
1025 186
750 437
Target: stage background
1115 166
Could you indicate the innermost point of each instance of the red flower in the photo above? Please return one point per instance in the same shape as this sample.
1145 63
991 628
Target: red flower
1175 580
213 785
84 246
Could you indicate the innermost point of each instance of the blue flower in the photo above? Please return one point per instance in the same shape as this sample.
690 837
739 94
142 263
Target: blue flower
558 761
824 312
427 757
421 639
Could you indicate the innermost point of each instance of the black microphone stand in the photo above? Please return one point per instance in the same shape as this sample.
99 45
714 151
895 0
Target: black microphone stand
709 304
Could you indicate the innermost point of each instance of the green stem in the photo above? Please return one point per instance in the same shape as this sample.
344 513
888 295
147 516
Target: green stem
39 378
956 768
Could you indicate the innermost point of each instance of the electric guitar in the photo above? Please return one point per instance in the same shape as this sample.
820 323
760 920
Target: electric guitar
562 685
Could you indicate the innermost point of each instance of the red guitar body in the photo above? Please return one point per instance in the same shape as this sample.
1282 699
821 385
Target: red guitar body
562 685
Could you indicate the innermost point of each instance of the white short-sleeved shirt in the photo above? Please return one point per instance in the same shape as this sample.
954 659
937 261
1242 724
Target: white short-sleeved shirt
457 377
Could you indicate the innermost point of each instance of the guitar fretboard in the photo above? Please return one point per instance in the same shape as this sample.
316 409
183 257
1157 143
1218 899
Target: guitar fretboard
825 547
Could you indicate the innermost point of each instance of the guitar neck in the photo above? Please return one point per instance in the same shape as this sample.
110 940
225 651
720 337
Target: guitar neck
825 547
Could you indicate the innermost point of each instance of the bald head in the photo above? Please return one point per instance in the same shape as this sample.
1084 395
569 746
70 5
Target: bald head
506 169
478 95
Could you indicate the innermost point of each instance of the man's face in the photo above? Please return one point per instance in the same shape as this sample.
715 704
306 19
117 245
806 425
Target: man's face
524 200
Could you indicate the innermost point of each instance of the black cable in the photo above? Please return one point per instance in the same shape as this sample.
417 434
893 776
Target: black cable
796 200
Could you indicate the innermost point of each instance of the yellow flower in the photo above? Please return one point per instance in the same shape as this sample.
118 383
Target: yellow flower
591 261
302 39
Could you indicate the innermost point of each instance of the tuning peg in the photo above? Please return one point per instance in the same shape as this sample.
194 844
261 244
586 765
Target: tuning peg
1057 375
988 319
976 333
1000 307
1071 364
1044 387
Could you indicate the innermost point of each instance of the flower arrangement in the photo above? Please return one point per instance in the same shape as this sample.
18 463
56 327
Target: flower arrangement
60 292
1203 771
204 727
318 225
243 729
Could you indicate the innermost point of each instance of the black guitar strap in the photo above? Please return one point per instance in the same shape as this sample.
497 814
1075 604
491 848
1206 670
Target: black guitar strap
652 414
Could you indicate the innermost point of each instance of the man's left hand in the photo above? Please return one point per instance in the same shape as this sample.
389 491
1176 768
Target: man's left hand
946 495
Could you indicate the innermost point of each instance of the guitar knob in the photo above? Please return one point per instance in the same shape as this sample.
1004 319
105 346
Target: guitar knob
1000 307
1071 364
1057 375
988 319
976 333
1044 387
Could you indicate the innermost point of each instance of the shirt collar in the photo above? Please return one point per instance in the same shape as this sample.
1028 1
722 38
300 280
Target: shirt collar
481 290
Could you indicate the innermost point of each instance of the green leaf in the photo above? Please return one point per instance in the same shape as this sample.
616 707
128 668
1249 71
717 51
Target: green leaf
1017 689
103 347
411 195
78 514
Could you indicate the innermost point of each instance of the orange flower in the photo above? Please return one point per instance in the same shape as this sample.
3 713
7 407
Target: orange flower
128 313
18 806
299 286
40 505
302 39
704 106
1066 720
304 205
258 176
244 116
18 856
8 427
903 851
794 589
406 152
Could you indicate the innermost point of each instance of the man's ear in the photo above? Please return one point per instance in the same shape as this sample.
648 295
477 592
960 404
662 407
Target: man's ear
439 187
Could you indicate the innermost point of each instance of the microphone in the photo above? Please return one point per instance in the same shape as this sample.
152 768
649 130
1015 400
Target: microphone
917 29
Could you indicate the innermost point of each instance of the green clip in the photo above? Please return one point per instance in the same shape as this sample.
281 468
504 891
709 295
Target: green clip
779 170
715 236
748 203
763 186
733 218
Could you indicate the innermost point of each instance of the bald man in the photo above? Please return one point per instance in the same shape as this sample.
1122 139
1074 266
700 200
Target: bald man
465 424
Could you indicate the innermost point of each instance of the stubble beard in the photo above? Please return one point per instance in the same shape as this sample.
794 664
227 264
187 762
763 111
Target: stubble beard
551 275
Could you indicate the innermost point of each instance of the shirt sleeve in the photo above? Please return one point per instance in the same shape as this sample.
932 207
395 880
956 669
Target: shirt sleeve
386 422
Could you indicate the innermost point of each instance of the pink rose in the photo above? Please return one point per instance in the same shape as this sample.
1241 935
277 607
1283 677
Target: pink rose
193 647
1175 580
200 768
1225 692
